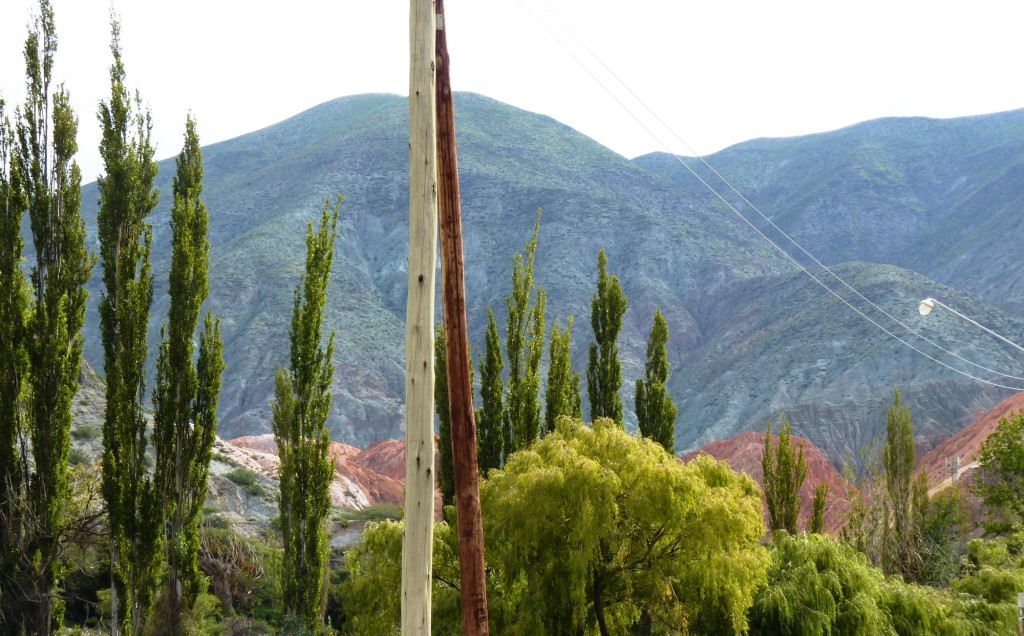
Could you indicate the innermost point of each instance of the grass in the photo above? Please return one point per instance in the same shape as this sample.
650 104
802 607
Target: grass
248 481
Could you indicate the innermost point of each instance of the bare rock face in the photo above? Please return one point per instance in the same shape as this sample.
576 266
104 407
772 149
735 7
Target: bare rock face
744 452
940 462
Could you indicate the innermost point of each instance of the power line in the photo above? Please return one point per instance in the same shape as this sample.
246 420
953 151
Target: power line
742 217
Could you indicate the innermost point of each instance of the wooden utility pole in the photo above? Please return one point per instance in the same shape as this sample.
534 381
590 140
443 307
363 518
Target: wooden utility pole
417 543
460 389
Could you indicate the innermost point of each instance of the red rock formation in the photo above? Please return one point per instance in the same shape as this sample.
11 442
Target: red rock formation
966 444
744 452
386 457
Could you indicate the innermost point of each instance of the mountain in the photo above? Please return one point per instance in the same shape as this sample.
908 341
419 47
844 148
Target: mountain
940 197
749 337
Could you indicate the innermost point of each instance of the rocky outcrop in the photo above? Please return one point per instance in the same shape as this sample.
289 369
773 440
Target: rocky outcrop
961 449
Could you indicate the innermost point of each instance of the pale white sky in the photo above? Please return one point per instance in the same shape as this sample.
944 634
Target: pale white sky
718 71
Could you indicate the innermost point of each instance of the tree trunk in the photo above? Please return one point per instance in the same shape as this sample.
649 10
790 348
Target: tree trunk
599 604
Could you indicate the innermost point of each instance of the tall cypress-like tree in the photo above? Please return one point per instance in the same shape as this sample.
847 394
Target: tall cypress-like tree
49 186
783 474
301 406
127 196
445 459
186 394
604 372
898 461
655 411
13 372
817 522
490 416
524 348
563 392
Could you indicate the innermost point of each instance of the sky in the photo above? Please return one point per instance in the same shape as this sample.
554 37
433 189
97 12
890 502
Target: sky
715 72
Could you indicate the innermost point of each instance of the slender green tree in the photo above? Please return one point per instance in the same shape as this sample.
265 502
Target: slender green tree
301 405
604 372
127 196
524 348
784 474
13 371
490 416
48 185
563 391
655 411
445 459
898 460
817 522
186 394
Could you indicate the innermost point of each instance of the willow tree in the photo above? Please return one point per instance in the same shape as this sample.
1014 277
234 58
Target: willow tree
562 396
490 415
302 403
48 186
127 196
655 411
185 399
604 371
524 348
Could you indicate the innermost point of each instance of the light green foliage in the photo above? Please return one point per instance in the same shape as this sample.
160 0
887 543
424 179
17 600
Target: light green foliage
817 522
490 416
817 585
589 527
784 474
301 404
127 196
588 522
1001 480
563 391
43 180
655 410
996 571
524 348
186 393
903 554
604 372
372 595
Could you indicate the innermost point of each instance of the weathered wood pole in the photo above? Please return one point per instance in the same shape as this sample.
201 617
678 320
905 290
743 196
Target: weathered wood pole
417 543
460 389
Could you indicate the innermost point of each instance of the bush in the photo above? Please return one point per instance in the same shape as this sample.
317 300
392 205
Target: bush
85 432
248 480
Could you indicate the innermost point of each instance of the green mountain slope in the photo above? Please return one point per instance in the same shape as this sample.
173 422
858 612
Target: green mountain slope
669 246
941 197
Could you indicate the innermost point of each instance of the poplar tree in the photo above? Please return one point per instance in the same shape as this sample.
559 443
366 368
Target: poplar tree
563 392
446 459
301 405
898 461
655 411
186 394
127 196
47 183
783 475
13 369
524 348
490 416
604 372
817 522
